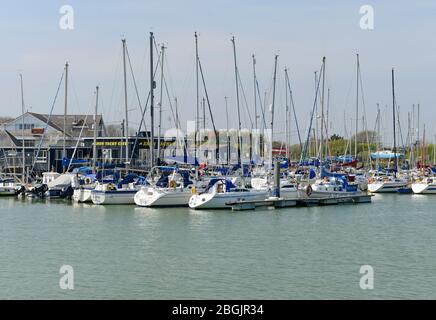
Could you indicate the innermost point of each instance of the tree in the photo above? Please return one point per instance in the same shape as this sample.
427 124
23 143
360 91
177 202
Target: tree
364 136
336 137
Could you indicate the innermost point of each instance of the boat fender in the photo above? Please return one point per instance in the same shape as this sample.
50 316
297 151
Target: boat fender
193 190
309 190
173 184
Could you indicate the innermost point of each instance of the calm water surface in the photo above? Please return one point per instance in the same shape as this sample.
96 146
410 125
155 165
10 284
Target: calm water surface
127 252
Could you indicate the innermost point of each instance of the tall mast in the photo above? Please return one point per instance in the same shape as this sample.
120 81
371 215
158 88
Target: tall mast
357 106
393 122
197 104
286 116
418 126
322 112
159 131
255 95
315 135
94 147
177 120
423 155
228 136
126 124
204 115
64 153
22 131
272 108
327 150
237 100
378 132
152 84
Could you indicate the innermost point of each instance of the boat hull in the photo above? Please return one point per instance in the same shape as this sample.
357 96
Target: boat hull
385 187
222 200
82 195
113 197
424 188
7 191
152 197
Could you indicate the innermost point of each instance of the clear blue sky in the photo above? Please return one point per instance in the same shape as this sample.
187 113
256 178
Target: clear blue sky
301 32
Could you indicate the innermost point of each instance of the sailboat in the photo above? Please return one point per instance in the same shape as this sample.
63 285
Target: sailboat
173 189
389 183
82 191
221 192
425 186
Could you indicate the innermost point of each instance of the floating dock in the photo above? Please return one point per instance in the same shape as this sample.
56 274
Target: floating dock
300 202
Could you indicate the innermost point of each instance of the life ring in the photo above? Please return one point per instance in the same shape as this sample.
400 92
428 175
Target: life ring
308 190
111 186
173 184
88 180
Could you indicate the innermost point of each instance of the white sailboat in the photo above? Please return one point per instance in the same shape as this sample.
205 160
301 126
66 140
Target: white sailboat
221 192
425 186
331 187
389 183
386 184
109 193
174 188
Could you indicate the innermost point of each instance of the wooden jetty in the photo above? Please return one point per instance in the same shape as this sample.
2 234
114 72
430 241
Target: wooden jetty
300 202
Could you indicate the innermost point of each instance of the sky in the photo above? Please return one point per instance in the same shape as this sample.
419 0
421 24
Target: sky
299 32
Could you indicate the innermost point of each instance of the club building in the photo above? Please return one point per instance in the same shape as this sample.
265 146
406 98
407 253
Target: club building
45 138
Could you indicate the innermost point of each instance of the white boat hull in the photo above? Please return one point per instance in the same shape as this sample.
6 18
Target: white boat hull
82 195
162 197
7 191
386 187
424 188
113 196
221 200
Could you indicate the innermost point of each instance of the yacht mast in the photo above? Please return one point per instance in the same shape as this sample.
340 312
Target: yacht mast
94 147
126 124
197 104
22 131
272 109
357 106
393 122
152 84
64 153
159 131
286 117
322 112
255 93
237 100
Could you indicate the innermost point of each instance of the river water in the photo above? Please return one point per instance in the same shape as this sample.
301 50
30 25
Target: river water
120 252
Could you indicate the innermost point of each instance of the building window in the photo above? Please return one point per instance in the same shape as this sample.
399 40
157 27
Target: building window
41 156
27 126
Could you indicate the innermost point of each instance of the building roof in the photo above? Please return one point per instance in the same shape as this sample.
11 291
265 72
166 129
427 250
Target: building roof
74 123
